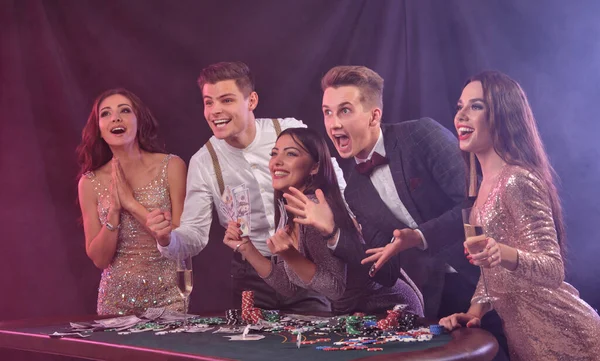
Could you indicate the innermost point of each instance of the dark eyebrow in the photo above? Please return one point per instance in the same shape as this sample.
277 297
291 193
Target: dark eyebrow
339 105
294 148
477 99
472 100
118 106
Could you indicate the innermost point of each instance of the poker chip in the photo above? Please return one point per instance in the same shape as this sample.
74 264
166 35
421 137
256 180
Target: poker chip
375 349
436 329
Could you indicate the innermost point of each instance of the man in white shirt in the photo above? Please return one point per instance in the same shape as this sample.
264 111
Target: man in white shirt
242 146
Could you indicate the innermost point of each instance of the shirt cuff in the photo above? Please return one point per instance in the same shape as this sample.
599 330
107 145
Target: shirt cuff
169 251
337 239
423 245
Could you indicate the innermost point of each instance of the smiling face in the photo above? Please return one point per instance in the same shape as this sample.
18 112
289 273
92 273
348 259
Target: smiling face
471 120
117 120
352 125
228 112
290 164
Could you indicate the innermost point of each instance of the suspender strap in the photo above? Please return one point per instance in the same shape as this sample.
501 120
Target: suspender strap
276 125
216 165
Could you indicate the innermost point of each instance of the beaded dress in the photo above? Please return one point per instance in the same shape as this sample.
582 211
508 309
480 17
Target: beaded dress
138 277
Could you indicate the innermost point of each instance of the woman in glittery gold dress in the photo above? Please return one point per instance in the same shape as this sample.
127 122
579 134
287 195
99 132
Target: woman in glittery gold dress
543 316
124 175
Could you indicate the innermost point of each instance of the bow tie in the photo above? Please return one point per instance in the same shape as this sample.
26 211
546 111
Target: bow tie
367 167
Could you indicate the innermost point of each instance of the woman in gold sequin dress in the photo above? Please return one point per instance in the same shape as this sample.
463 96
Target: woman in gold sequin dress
124 175
543 316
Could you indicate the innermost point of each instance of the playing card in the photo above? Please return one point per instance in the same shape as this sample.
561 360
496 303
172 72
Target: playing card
246 338
228 330
153 313
283 218
226 206
228 212
119 322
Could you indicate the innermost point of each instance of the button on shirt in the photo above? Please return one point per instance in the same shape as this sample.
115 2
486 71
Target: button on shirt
249 166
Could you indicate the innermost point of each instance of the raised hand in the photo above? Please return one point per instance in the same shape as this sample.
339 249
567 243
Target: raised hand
281 243
403 240
490 255
458 319
159 223
115 203
309 213
122 185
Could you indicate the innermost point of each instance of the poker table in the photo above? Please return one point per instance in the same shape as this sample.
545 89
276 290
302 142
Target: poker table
32 335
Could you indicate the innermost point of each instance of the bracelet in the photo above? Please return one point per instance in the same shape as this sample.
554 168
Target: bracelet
330 235
110 227
239 245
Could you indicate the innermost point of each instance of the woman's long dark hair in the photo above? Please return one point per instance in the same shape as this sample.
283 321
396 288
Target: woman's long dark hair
516 138
325 179
93 152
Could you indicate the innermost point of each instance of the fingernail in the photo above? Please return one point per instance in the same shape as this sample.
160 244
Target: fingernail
471 261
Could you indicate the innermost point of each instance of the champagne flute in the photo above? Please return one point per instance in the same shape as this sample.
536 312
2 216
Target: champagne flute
474 227
185 282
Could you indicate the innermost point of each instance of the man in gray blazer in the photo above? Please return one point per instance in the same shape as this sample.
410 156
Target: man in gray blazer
409 178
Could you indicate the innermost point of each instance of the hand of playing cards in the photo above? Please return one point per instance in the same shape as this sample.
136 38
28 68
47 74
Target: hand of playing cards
235 205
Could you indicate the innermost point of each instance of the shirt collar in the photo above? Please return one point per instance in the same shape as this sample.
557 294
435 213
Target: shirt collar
379 148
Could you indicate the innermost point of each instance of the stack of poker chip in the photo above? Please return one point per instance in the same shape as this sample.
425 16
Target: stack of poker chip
271 315
250 314
390 321
407 321
353 324
234 317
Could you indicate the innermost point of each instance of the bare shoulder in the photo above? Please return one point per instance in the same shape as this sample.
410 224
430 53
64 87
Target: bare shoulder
176 170
86 189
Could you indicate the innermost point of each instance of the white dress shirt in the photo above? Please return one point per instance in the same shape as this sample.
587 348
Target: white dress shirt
249 166
382 180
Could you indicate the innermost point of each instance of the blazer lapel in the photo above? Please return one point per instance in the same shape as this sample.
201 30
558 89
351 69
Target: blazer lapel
393 152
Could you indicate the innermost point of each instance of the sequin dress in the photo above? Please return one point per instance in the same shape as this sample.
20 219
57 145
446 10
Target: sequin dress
543 316
138 276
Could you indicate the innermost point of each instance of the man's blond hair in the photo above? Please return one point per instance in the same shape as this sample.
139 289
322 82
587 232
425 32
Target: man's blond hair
369 83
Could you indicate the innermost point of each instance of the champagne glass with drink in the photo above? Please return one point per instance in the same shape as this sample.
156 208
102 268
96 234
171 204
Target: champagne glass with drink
185 281
474 228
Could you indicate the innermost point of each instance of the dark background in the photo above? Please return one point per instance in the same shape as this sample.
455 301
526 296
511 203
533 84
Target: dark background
57 56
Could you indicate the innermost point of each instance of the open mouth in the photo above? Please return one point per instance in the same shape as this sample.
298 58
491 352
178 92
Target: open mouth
464 132
220 123
341 141
280 174
118 130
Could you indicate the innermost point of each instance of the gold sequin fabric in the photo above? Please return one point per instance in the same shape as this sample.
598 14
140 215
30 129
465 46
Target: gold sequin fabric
138 276
543 316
